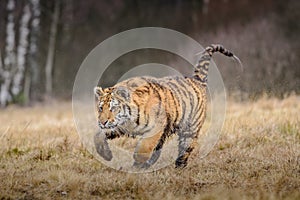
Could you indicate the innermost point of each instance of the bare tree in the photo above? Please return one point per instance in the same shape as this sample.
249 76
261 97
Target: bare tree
13 67
33 71
22 50
51 48
10 56
205 7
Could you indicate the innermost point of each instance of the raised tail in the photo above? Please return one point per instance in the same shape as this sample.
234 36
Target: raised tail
201 69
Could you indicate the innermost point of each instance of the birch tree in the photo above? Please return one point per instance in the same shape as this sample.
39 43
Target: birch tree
33 71
13 65
51 48
22 50
10 56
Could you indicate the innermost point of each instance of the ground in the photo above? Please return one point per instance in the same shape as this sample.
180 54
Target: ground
256 157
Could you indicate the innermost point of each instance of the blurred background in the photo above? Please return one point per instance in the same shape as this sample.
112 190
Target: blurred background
43 42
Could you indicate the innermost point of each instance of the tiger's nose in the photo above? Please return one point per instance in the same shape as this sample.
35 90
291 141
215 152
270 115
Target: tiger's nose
104 122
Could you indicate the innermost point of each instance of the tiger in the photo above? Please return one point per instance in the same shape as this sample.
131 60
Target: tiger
155 109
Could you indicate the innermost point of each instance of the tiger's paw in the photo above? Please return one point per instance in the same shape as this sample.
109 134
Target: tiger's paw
180 163
102 147
104 152
144 165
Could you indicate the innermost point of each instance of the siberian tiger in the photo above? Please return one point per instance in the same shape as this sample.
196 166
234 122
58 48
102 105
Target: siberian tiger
155 108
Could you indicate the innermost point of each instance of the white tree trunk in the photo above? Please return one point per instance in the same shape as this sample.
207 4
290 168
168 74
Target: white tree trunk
35 30
1 67
32 74
3 95
22 50
3 83
51 49
205 7
10 56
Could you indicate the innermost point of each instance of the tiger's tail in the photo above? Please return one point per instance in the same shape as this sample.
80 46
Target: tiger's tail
201 69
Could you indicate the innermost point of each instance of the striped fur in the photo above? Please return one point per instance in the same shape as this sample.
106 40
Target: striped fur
155 108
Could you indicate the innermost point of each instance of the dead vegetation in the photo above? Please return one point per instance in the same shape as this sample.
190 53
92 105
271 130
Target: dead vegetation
257 157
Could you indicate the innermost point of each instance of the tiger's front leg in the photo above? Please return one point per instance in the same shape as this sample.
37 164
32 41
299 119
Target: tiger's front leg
148 150
102 148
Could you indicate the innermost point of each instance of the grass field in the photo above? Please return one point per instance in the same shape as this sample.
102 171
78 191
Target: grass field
257 157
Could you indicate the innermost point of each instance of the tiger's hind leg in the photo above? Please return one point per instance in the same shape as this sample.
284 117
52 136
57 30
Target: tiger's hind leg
148 150
187 143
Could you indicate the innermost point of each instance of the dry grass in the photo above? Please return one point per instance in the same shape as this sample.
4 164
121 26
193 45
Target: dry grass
257 157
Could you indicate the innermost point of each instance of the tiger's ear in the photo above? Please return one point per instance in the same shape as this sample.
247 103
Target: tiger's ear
98 91
123 92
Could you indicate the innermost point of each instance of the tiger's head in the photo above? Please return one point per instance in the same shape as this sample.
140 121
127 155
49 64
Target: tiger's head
113 107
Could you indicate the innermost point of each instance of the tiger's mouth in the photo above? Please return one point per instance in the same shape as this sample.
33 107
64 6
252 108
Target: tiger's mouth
107 125
113 125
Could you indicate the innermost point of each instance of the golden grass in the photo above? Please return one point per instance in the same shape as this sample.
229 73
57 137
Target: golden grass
257 157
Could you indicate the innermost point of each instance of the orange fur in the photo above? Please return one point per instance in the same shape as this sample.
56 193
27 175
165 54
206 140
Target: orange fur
156 108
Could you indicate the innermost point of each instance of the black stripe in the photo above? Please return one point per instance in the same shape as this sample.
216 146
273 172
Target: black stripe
155 87
166 133
145 129
121 132
146 119
199 127
179 89
222 50
196 110
167 129
191 104
183 87
152 86
176 108
138 114
202 80
199 103
124 107
199 108
196 90
201 114
173 86
163 90
180 99
177 101
183 111
204 71
191 96
182 83
129 109
197 120
197 77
